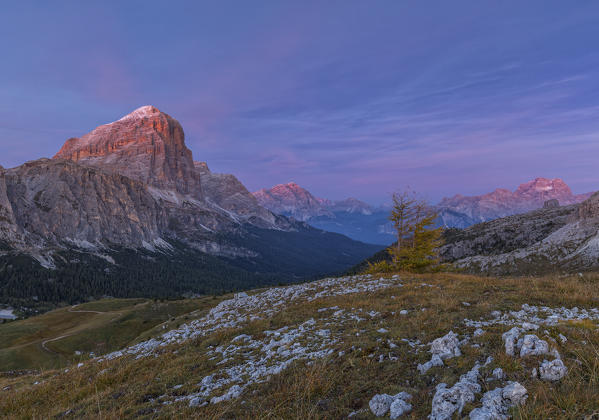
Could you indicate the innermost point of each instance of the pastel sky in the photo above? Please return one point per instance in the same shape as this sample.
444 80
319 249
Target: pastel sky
346 98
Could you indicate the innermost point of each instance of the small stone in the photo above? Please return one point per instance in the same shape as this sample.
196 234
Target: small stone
531 345
382 330
510 340
398 408
447 346
478 332
403 312
380 404
553 371
435 361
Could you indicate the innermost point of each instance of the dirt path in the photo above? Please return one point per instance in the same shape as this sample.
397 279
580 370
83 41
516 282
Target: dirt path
71 309
53 339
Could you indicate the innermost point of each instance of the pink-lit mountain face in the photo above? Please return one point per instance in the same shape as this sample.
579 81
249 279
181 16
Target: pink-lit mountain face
146 145
292 200
463 211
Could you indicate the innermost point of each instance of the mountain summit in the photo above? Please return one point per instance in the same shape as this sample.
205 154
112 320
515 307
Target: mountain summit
146 145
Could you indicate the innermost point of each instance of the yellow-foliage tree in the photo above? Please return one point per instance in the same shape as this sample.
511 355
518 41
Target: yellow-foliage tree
417 239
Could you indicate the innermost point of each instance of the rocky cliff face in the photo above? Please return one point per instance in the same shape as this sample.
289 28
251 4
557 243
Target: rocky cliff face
8 226
228 193
462 211
146 145
56 201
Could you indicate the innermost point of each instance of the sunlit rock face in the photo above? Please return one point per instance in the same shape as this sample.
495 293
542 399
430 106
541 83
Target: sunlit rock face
146 145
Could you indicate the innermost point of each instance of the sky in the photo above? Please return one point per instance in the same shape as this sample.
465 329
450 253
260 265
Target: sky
345 98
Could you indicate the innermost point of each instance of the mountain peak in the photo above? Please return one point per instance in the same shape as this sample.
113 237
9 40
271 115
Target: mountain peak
145 111
545 187
147 145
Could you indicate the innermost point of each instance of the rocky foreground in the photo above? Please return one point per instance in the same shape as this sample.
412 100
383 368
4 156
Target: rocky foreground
398 346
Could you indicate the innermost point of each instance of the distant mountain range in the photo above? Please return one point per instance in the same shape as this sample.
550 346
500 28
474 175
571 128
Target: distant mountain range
350 217
366 223
463 211
125 211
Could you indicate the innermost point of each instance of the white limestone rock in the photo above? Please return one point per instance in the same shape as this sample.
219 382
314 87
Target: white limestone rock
447 401
531 345
435 361
396 405
233 392
447 346
380 404
553 371
398 408
496 403
510 339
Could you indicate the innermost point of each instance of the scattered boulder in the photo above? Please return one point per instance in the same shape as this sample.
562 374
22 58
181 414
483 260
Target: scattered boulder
553 371
396 405
496 403
447 346
398 408
449 400
551 204
531 345
442 348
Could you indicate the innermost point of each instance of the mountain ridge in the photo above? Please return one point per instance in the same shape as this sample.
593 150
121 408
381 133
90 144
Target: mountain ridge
129 193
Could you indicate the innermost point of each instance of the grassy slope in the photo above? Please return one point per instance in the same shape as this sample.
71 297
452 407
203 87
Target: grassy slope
98 327
334 387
